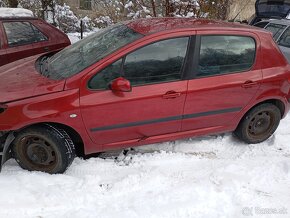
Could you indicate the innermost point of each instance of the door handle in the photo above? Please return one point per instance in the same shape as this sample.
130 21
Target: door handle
46 48
249 84
171 94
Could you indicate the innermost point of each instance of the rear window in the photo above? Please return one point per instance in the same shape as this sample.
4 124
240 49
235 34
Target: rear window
22 33
276 29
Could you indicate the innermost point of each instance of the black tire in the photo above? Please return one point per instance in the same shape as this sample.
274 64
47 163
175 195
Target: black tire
259 123
43 148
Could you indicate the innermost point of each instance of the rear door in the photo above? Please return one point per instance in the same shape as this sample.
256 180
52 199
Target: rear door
225 77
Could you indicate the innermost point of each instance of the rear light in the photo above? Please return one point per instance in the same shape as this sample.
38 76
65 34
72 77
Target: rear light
3 108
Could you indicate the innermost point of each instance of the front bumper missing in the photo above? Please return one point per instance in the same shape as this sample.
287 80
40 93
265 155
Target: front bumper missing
5 153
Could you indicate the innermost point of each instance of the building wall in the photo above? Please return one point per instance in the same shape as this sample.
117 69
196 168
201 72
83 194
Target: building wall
244 9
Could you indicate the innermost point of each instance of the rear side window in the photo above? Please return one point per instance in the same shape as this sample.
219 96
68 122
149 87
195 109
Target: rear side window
21 33
285 39
276 29
225 54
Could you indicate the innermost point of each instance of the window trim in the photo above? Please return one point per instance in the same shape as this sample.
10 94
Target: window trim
28 43
197 56
183 69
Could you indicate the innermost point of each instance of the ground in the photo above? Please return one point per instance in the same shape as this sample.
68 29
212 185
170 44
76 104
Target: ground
212 176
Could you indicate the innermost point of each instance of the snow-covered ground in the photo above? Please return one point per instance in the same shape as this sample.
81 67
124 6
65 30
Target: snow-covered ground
213 176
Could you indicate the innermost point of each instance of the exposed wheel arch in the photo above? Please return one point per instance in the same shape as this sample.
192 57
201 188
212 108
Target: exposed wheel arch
277 103
74 135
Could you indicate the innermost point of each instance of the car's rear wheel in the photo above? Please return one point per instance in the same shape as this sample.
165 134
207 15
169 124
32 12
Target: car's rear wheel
43 148
259 123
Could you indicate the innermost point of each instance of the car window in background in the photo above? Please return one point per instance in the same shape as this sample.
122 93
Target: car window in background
21 33
276 29
225 54
261 24
158 62
90 50
285 39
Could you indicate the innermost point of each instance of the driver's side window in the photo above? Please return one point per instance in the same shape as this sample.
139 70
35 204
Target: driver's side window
155 63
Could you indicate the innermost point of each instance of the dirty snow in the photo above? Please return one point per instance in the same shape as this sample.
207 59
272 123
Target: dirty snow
15 12
212 176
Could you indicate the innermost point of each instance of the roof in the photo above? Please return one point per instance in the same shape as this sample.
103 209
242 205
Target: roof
151 25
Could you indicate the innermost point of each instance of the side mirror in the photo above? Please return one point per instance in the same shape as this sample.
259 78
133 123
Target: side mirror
120 84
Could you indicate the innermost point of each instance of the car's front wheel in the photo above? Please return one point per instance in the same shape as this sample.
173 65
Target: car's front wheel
259 123
43 148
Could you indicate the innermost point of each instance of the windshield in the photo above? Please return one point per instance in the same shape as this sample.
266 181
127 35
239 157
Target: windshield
88 51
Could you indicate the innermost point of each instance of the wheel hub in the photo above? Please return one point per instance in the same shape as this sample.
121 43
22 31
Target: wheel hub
260 124
39 152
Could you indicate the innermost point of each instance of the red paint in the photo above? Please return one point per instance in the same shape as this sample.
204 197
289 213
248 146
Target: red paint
56 40
33 99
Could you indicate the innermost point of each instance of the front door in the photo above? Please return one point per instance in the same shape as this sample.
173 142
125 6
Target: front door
155 104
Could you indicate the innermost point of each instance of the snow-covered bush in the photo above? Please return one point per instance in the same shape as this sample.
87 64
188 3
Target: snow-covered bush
65 19
103 21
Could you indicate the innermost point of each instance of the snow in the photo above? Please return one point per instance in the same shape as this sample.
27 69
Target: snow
15 12
211 176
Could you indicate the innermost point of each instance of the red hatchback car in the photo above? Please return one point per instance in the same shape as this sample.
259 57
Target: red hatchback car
140 82
22 37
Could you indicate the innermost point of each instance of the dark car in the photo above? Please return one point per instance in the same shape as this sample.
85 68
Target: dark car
22 37
270 9
140 82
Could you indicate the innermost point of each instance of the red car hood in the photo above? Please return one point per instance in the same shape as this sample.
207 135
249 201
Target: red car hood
20 79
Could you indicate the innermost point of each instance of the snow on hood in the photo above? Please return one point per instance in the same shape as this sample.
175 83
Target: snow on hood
15 12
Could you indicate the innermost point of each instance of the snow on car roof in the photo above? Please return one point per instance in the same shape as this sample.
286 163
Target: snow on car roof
15 12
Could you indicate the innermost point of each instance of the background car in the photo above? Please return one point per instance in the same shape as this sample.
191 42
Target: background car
140 82
22 36
281 33
270 9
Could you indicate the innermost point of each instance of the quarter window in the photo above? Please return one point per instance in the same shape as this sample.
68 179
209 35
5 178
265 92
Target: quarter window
155 63
21 33
225 54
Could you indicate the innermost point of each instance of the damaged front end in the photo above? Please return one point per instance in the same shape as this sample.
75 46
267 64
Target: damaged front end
6 138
